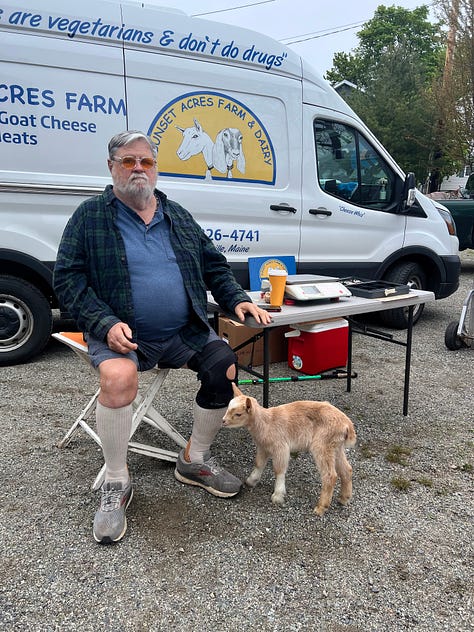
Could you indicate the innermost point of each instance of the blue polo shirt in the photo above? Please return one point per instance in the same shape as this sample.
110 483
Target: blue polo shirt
160 301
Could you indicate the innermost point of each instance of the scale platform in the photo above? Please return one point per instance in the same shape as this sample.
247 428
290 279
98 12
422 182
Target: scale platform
313 287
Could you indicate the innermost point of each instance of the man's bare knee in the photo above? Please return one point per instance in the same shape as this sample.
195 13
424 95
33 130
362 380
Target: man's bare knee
118 382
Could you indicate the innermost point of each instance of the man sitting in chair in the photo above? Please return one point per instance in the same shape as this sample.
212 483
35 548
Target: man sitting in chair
132 270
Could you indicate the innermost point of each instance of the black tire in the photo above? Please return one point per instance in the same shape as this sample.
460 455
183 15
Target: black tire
26 321
451 338
411 274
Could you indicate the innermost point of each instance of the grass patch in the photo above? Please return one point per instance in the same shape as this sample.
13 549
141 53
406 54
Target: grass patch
398 454
425 481
367 451
401 484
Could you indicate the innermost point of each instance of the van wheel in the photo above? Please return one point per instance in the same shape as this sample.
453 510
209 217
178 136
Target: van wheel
410 274
26 320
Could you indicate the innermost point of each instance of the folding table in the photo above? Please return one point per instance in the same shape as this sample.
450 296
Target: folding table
314 311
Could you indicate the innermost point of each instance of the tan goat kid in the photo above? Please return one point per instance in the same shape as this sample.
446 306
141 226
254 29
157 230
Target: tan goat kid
304 426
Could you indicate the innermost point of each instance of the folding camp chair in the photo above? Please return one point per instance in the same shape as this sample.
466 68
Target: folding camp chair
143 410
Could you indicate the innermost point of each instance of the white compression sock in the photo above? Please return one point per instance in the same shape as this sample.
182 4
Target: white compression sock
207 423
113 427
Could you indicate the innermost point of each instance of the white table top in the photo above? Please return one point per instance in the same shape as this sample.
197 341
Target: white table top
324 309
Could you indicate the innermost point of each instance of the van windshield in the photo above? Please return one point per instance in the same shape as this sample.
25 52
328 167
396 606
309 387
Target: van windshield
350 168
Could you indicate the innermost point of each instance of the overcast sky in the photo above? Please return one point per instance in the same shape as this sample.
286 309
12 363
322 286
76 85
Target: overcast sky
297 19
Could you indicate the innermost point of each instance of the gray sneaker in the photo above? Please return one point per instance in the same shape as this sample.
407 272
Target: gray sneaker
110 522
208 475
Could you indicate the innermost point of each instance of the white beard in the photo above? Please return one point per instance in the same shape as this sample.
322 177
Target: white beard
137 188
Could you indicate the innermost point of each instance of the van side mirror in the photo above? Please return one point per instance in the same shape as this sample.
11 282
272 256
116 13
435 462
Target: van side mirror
409 191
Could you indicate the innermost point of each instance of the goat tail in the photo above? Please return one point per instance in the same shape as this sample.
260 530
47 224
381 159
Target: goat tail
350 436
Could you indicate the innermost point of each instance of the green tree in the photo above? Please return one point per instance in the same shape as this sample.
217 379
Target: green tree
398 110
391 29
456 91
397 63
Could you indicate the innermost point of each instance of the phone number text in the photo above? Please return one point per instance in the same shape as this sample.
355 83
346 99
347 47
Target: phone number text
237 234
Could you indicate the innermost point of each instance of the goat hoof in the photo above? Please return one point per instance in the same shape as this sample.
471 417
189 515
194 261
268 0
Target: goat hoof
278 500
344 500
320 511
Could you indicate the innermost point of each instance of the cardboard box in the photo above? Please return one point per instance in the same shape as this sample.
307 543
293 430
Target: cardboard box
319 347
252 354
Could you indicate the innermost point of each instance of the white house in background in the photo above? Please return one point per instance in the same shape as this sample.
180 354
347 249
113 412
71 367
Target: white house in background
457 180
344 87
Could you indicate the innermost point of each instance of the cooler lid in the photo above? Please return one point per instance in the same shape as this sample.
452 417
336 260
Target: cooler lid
324 325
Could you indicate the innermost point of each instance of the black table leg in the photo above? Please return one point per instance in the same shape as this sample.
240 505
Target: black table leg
406 387
266 366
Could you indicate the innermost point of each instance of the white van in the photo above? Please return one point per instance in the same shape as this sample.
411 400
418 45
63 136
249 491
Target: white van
264 153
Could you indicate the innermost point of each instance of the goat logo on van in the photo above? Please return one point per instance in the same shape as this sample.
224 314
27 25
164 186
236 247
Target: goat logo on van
211 136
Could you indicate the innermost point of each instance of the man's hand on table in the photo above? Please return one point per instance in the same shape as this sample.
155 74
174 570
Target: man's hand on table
259 314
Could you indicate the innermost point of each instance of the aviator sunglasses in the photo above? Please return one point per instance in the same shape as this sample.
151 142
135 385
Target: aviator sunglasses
129 162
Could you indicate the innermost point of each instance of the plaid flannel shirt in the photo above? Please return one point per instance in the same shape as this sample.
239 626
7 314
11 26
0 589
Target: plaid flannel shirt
91 276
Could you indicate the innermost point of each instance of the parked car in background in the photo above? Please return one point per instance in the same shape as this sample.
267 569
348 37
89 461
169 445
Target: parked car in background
468 191
462 211
461 208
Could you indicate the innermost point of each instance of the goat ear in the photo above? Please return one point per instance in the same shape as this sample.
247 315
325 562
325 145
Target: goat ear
241 161
236 390
248 404
197 125
218 154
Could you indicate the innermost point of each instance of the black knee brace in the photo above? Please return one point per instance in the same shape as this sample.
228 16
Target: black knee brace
211 365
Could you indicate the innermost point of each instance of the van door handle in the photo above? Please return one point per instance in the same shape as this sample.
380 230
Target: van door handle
282 207
320 211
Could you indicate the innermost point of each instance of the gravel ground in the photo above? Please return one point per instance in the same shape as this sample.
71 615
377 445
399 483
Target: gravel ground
399 557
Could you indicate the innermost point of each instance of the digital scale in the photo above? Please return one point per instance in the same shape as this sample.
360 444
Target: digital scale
312 287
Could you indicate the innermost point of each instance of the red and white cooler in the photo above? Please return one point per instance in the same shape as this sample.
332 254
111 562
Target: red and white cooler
317 347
